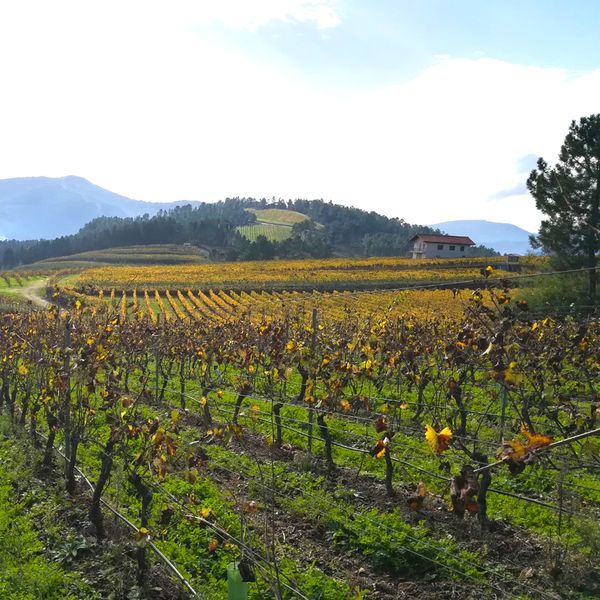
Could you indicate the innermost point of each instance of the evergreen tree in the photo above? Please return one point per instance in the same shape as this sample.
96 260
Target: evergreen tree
569 195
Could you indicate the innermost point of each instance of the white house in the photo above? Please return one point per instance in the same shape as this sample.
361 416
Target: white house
427 245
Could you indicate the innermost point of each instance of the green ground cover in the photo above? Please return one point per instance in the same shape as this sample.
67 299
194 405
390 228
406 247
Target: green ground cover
278 216
29 528
273 232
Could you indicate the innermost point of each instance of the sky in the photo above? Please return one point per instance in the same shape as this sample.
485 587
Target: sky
429 111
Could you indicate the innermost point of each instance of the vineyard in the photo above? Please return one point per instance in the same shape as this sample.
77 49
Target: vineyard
308 274
271 231
368 444
274 224
12 287
219 306
159 254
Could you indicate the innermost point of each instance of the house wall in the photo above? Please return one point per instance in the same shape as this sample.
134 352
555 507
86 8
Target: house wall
431 250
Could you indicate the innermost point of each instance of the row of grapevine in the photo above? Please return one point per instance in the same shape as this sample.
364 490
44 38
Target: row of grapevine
420 410
222 305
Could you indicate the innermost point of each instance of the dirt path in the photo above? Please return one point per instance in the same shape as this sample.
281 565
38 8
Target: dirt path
33 292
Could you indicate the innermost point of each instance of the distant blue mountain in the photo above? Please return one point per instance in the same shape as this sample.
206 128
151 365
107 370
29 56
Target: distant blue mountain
47 207
502 237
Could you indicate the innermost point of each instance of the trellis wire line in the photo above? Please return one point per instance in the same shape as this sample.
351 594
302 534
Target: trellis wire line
125 520
401 461
392 529
341 416
224 534
395 459
290 401
154 548
358 435
415 467
548 447
425 471
375 522
387 400
254 478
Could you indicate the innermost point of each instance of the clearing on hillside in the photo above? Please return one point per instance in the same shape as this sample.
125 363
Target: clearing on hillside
278 216
273 223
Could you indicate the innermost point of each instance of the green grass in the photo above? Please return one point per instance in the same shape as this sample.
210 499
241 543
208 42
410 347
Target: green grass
273 232
27 521
274 223
278 216
412 448
11 298
186 543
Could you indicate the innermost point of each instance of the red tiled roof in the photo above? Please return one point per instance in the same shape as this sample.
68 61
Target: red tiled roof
461 240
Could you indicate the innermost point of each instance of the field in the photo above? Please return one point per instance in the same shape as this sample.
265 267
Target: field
341 444
14 288
220 306
277 216
273 232
323 274
273 223
159 254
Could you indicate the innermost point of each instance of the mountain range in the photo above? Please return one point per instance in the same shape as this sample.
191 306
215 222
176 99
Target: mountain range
47 207
502 237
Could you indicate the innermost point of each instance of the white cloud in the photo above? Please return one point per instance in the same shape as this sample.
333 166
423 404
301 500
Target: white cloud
251 14
131 96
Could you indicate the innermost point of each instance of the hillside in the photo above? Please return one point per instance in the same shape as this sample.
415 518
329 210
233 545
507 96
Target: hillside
275 224
230 229
159 254
502 237
47 207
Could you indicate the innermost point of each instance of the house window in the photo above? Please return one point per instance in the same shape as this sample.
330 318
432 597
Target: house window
452 247
462 248
440 246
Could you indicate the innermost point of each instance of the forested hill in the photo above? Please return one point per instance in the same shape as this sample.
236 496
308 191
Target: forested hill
330 230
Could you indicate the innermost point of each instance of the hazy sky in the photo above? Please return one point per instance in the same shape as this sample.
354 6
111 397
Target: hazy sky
428 110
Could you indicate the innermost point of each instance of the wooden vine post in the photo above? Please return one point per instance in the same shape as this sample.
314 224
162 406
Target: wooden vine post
311 410
157 358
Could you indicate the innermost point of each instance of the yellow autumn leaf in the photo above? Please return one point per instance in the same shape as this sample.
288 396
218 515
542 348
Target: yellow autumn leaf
438 442
535 440
512 376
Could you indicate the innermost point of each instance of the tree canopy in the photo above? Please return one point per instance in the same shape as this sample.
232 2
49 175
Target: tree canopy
569 196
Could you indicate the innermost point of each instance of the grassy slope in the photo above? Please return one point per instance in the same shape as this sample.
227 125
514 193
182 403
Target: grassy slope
274 223
11 292
274 233
157 254
278 216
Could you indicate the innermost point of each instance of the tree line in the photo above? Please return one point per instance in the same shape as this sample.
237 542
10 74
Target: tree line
340 230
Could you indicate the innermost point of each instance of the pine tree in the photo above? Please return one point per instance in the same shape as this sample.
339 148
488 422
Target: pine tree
569 195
